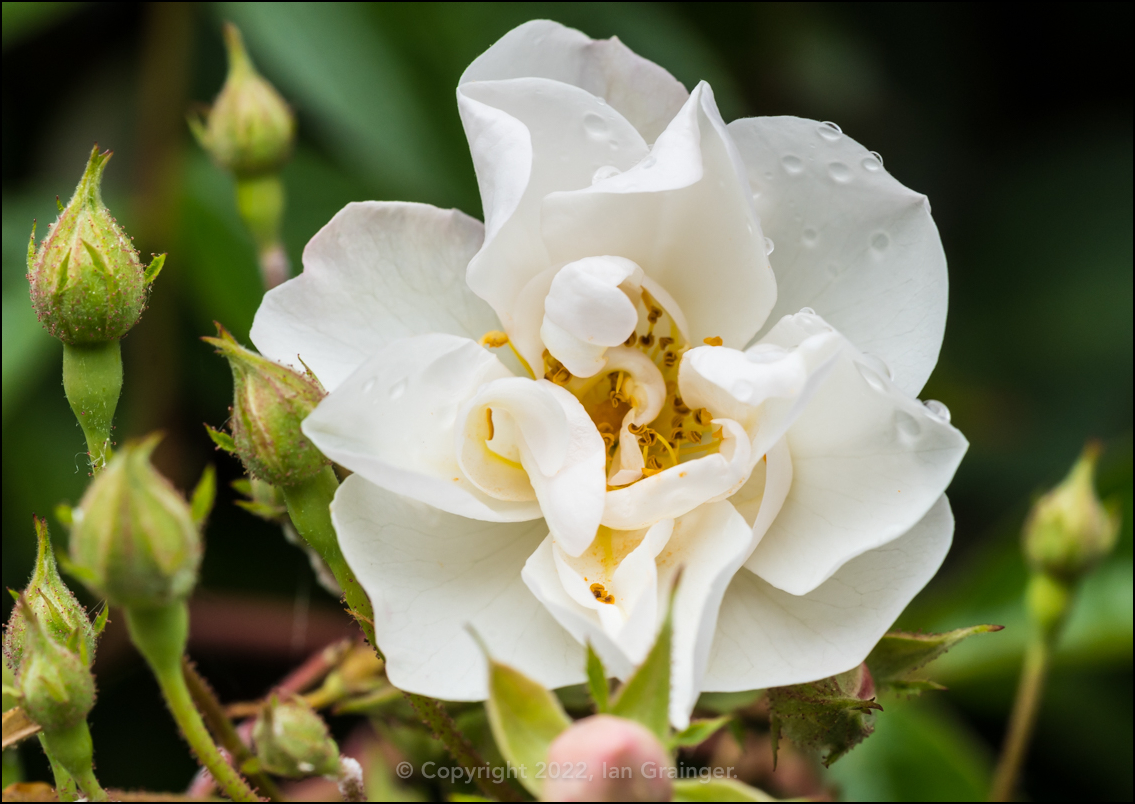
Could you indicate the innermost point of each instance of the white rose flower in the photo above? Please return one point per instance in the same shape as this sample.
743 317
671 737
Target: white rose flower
671 399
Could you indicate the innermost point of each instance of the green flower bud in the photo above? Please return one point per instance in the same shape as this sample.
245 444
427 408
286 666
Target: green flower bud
292 740
87 284
250 129
1069 530
270 402
134 540
55 607
54 684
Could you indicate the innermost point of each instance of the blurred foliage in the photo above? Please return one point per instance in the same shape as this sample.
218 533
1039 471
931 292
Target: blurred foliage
1023 144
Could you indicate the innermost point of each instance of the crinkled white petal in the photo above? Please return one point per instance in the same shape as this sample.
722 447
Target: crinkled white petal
547 436
868 462
644 384
768 638
684 214
392 421
851 242
682 488
644 93
430 576
528 137
378 271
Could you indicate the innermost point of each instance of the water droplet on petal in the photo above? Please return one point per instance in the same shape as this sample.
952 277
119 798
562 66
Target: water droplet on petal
937 410
810 236
792 165
765 353
742 389
907 426
769 245
368 386
398 389
840 172
879 365
594 125
605 172
649 162
829 131
807 311
873 379
873 163
880 241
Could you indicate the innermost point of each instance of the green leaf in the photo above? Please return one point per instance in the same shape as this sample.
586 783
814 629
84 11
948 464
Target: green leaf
698 732
900 654
525 719
204 495
828 717
717 790
271 513
645 698
597 680
154 268
222 439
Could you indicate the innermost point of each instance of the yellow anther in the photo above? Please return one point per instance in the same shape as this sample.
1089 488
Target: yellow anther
647 339
494 338
680 406
489 418
562 376
604 427
669 359
601 593
694 436
714 341
636 429
678 435
653 315
664 342
631 340
703 417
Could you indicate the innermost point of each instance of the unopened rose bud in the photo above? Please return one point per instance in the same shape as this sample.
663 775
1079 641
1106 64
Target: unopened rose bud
250 129
270 402
54 684
623 761
1069 530
292 740
134 540
58 612
87 283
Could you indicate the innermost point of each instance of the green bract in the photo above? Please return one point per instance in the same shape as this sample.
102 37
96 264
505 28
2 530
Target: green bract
270 402
135 541
250 129
87 284
292 740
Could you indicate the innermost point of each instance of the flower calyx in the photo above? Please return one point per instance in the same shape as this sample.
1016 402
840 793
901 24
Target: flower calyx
54 684
270 402
135 540
293 741
250 129
87 283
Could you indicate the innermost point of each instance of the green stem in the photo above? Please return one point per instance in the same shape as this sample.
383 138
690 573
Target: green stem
65 788
1022 720
260 200
92 380
309 505
160 635
71 749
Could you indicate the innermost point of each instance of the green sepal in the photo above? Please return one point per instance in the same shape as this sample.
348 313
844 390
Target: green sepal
898 655
717 790
645 698
101 620
65 515
525 718
31 243
262 510
222 439
204 494
59 203
154 268
829 717
597 680
698 732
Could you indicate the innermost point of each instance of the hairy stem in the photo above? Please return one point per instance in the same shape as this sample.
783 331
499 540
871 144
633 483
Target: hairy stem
72 751
160 635
92 380
261 200
65 788
1022 720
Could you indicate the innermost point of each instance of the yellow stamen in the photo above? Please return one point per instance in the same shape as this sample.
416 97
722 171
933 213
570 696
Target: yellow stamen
601 593
489 418
714 341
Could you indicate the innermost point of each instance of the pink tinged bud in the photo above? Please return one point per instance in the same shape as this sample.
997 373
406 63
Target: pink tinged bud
607 758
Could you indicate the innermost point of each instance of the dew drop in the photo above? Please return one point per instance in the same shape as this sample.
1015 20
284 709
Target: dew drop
937 410
398 389
594 125
840 172
792 165
873 163
907 426
829 131
769 245
807 311
880 241
649 162
879 365
368 386
810 236
605 172
873 379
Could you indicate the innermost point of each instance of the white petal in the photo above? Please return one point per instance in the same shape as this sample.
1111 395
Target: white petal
556 444
430 575
376 272
529 137
767 638
393 421
851 241
682 488
640 90
868 462
685 214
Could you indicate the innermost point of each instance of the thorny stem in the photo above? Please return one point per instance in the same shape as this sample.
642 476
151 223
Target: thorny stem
1023 719
309 505
223 729
92 381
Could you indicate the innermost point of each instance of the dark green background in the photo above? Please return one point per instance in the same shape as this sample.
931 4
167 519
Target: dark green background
1016 125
